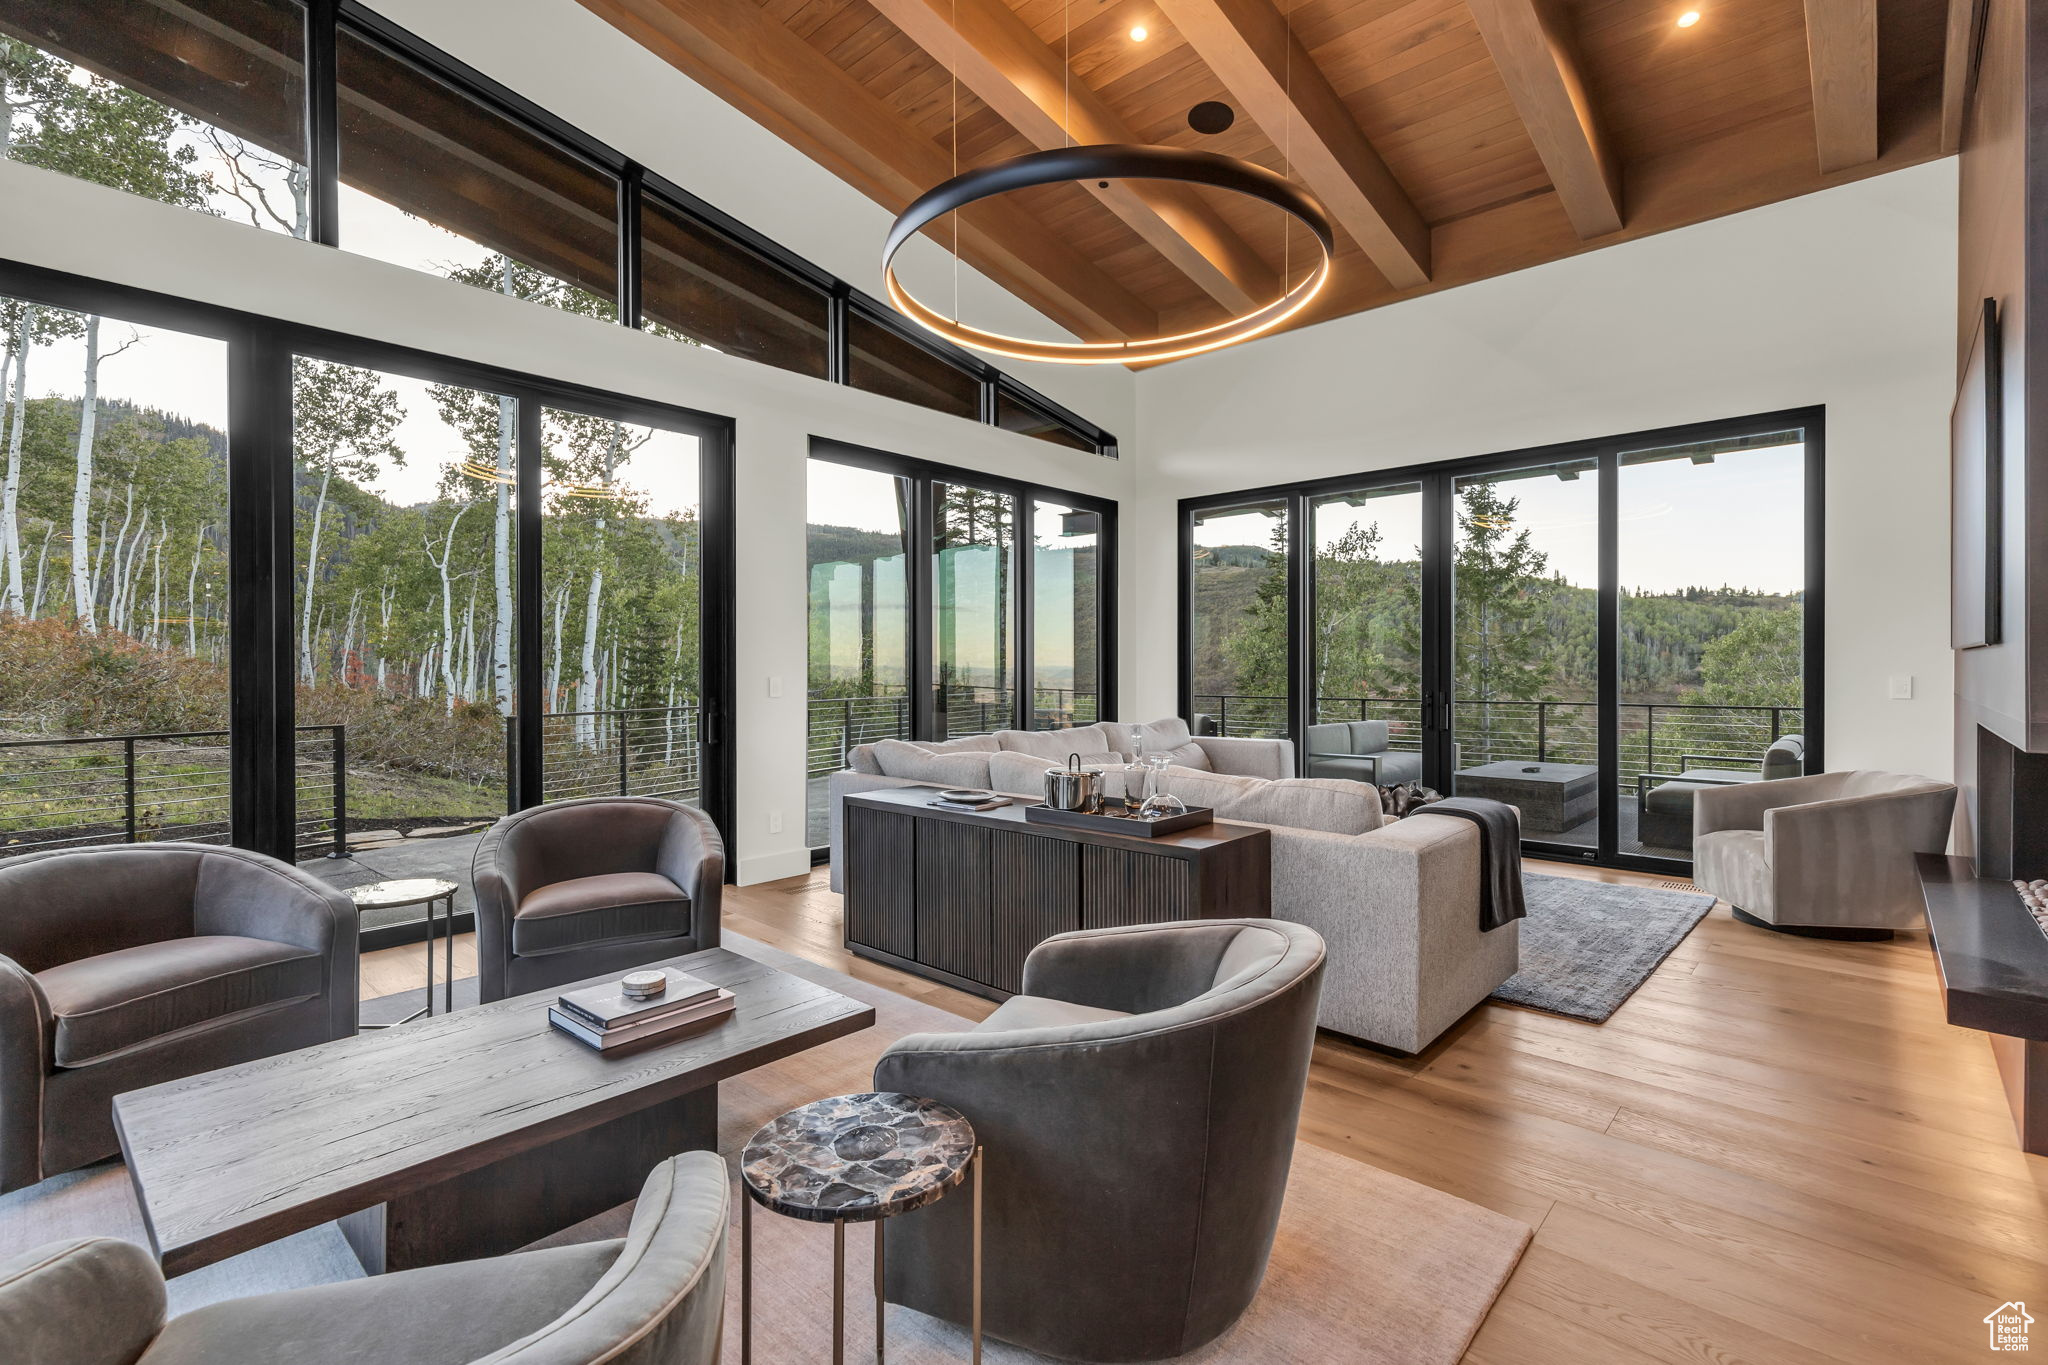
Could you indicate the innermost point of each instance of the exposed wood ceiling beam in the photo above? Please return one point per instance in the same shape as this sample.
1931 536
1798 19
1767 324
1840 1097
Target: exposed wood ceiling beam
766 71
1250 47
1959 69
1535 58
1841 50
998 56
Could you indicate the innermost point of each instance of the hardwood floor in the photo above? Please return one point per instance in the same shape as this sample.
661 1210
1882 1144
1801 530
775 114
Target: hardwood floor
1777 1151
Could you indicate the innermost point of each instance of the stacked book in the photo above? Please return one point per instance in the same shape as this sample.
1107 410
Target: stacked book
606 1017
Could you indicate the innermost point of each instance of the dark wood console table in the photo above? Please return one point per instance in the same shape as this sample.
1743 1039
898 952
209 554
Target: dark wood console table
961 897
1993 961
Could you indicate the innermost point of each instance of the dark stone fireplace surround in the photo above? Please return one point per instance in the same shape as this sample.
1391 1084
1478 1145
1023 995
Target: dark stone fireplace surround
1992 956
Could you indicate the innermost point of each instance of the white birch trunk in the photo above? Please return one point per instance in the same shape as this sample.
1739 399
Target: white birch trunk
11 598
81 490
447 610
312 574
586 687
192 594
35 606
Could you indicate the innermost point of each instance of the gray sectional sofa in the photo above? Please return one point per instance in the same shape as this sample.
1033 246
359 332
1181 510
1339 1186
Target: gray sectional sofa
1396 901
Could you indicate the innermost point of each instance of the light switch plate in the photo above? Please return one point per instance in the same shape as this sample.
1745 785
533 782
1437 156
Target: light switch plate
774 684
1902 687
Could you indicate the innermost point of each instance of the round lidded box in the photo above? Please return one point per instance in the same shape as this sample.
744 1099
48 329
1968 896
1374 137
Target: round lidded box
643 985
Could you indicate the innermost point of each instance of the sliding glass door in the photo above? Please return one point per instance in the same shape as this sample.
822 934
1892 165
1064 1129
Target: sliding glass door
858 535
1711 551
974 610
1238 571
1525 589
946 604
1592 633
1365 636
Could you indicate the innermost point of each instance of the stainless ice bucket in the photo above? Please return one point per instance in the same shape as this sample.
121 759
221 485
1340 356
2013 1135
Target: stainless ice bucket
1073 787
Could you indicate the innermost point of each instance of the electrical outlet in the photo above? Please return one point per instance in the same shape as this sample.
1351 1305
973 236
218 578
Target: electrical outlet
775 822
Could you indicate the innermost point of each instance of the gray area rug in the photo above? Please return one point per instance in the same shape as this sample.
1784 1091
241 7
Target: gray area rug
1367 1267
1587 945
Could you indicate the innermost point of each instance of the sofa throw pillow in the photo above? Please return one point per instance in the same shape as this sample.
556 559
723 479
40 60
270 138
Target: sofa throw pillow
1019 774
1190 755
1329 804
1319 803
966 744
959 768
1169 733
1054 745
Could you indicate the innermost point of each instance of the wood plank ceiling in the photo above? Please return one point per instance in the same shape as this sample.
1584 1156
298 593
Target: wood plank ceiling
1451 140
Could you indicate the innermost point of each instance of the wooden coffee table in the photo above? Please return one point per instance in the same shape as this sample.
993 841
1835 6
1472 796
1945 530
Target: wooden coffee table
464 1135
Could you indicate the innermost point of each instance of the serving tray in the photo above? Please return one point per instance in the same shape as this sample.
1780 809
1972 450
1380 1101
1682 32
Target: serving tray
1112 823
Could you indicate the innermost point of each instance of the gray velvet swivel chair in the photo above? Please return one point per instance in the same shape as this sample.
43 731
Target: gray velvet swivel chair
127 966
580 888
1358 750
1829 855
655 1297
1136 1107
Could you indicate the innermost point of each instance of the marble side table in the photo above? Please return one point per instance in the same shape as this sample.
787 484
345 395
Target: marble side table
855 1159
391 895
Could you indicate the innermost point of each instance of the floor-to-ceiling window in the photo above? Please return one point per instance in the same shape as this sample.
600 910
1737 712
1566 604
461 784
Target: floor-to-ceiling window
621 614
1592 632
1524 680
405 561
1238 653
1711 566
1066 616
858 534
115 666
933 615
1366 634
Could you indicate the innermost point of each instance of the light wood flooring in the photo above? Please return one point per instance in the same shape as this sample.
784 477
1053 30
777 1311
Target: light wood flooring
1776 1151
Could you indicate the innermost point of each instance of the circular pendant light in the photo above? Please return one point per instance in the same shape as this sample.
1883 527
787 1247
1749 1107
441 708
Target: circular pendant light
1105 162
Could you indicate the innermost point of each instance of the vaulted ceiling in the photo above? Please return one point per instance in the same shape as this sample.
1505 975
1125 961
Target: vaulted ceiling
1450 140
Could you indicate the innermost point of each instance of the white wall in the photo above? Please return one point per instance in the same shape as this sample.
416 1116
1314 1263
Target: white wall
1844 298
54 221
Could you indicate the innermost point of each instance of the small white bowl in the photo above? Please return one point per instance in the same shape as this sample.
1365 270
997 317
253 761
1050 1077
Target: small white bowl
967 794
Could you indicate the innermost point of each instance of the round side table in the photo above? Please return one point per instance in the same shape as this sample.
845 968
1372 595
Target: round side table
430 891
855 1159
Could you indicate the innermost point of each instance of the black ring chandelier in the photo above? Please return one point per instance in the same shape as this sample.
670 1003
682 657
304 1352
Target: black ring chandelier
1111 161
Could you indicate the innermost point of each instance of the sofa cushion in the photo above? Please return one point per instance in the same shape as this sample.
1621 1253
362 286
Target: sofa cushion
950 768
1332 806
1054 744
611 907
117 1000
1039 1011
1021 774
862 758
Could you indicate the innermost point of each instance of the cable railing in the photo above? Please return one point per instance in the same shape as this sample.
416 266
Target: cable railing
838 725
1655 737
629 751
83 791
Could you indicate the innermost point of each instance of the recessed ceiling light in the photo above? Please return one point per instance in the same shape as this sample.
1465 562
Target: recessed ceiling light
1139 33
1689 18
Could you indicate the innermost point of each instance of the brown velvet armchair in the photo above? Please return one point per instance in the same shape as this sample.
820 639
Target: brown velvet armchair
580 888
128 966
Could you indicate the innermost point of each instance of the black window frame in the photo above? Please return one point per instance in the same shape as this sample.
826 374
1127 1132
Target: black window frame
1438 479
262 546
923 476
325 20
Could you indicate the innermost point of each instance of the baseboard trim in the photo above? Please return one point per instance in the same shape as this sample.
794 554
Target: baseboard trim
772 867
